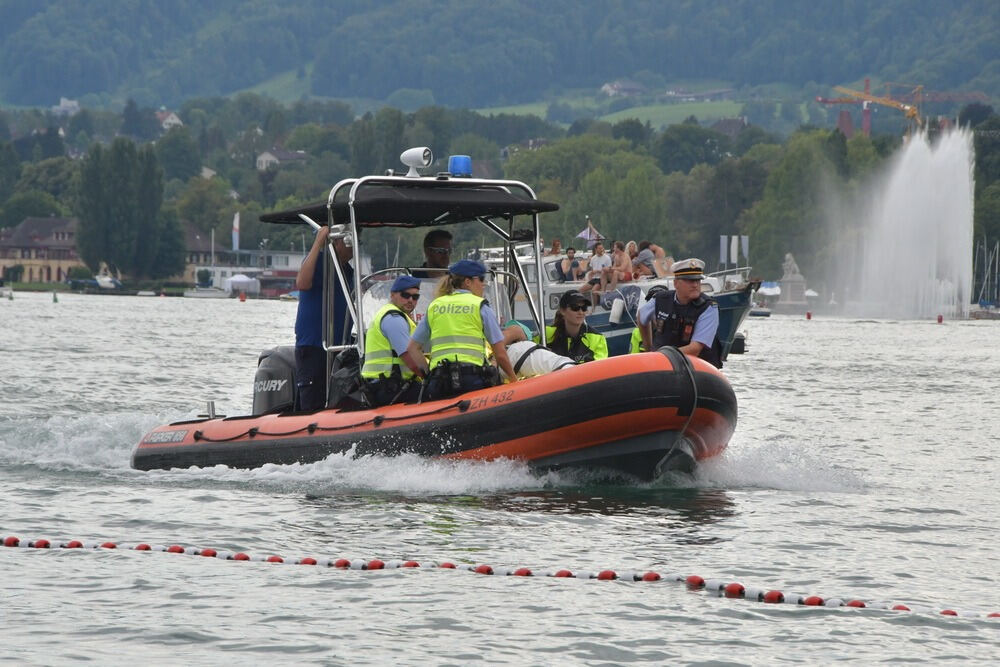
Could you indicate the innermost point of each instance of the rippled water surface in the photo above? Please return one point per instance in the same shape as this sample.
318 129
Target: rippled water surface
863 466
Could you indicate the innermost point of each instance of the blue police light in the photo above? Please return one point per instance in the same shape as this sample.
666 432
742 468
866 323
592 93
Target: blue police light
460 165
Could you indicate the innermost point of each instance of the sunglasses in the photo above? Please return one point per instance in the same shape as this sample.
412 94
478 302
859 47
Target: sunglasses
410 295
438 250
577 307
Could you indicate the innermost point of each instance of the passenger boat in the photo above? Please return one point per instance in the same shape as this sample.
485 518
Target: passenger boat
637 415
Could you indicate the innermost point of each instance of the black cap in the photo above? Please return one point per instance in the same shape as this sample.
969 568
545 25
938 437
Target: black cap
573 296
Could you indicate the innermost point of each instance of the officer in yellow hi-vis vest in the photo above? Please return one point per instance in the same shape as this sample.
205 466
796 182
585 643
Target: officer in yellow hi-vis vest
459 326
389 372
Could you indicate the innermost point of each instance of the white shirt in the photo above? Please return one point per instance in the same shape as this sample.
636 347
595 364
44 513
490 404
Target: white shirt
598 262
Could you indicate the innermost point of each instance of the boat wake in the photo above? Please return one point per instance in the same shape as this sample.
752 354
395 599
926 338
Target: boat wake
103 444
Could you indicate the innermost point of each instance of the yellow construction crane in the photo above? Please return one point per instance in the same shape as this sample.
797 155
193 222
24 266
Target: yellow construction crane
910 110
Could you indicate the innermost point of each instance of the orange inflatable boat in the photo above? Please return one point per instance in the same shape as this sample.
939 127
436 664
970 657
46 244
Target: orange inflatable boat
640 415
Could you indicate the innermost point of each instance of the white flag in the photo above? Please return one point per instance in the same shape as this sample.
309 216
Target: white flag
734 248
746 247
722 249
236 231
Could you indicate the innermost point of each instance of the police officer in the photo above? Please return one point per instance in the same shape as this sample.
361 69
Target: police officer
569 334
682 317
459 329
389 372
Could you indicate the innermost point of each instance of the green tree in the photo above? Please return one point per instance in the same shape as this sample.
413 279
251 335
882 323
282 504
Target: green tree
139 123
10 170
178 154
170 253
29 204
54 175
118 203
389 127
987 213
364 156
205 203
681 147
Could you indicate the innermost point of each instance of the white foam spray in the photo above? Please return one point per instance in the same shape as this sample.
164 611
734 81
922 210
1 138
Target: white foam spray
914 259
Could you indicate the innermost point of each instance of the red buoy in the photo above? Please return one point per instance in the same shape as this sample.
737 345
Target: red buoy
995 614
855 603
522 572
606 575
139 547
410 563
734 590
651 576
940 319
809 315
211 553
774 597
175 549
307 561
694 581
813 601
275 559
241 556
483 569
74 544
11 541
376 564
109 545
41 544
563 574
949 612
243 296
448 566
900 607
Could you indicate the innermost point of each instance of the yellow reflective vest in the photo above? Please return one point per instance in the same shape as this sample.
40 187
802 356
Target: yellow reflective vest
587 346
456 329
379 355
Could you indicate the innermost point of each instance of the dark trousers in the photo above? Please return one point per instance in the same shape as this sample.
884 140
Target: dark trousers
310 378
451 379
391 390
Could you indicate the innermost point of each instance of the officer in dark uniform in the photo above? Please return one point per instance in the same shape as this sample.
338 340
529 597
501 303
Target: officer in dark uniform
682 317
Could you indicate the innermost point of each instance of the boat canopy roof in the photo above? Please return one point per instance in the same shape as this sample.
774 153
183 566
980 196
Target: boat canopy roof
400 202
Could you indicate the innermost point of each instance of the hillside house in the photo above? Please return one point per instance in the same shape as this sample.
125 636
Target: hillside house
277 157
45 247
168 120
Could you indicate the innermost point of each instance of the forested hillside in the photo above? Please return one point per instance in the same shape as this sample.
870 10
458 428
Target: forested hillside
477 54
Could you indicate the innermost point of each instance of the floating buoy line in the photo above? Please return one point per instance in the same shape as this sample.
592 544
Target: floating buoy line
721 587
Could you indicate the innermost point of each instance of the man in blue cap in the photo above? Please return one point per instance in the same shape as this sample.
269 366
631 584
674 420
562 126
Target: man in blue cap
459 329
390 370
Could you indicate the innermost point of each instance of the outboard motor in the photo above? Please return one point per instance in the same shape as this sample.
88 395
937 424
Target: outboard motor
274 382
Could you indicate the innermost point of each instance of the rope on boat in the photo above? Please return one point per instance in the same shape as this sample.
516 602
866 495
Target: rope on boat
719 587
377 420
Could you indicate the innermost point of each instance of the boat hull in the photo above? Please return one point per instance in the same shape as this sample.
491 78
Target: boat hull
638 415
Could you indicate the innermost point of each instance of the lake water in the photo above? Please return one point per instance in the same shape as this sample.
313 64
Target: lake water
863 467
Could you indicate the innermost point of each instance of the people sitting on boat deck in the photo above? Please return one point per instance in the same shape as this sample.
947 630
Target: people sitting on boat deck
571 268
683 317
644 263
437 254
635 342
620 269
569 335
599 261
556 248
459 328
310 356
389 372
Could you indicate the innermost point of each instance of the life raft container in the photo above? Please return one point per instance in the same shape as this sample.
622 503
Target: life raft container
639 414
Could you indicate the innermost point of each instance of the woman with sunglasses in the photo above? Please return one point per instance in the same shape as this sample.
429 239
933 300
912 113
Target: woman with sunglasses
569 334
389 371
459 329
